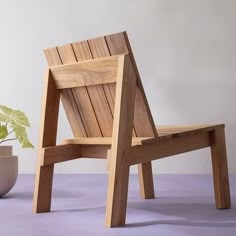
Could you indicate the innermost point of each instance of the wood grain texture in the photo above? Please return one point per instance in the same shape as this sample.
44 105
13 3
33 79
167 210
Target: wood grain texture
60 153
180 130
99 49
101 141
165 148
121 140
91 109
44 174
93 72
172 131
81 96
108 160
119 44
220 169
146 180
96 93
67 97
143 122
94 151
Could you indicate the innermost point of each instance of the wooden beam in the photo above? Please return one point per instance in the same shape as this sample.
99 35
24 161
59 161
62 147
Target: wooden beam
94 151
67 152
165 148
121 141
172 131
86 73
49 120
146 185
220 169
60 153
101 141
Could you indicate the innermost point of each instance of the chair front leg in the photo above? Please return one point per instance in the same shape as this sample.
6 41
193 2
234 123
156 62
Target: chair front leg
121 142
43 188
117 194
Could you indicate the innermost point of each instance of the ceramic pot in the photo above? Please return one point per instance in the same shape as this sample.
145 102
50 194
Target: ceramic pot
8 169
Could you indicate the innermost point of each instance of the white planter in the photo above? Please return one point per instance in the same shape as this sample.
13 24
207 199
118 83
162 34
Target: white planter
8 169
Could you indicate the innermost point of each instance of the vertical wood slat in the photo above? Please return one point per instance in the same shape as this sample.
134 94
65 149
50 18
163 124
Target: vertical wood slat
96 92
99 48
81 96
67 97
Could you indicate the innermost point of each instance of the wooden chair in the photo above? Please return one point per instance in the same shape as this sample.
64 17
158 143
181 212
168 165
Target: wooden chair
99 85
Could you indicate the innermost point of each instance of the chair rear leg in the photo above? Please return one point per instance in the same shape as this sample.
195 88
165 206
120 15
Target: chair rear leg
146 180
43 189
220 169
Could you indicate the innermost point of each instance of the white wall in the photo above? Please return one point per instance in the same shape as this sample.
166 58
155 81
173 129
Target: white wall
185 50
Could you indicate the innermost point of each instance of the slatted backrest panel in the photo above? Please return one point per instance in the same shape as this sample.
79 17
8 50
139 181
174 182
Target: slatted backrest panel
90 109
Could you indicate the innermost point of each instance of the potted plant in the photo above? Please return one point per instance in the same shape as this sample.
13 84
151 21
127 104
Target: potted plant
13 124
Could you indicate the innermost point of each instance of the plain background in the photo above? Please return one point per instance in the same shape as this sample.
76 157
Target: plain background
185 51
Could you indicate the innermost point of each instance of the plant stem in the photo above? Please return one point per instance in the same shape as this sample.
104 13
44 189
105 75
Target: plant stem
5 140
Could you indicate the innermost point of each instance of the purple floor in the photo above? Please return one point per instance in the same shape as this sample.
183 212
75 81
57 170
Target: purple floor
184 206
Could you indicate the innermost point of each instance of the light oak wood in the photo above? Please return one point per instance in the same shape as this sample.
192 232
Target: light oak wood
101 141
94 151
67 152
81 96
96 93
104 117
67 97
93 72
180 130
121 140
220 169
99 49
44 174
165 148
143 122
172 131
60 153
104 100
109 160
146 180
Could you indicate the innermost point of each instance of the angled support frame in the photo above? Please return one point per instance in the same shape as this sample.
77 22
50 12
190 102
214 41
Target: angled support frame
44 174
121 141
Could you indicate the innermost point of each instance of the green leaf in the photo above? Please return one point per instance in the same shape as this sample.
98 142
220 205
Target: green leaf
27 144
14 116
21 135
5 109
17 121
3 118
3 131
19 118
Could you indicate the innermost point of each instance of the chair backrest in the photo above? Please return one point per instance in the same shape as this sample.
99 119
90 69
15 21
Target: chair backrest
90 108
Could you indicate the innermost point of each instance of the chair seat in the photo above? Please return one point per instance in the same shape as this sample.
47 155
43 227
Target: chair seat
165 132
101 141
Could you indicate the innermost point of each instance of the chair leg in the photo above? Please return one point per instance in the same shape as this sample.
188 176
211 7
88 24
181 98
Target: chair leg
146 180
117 195
220 169
43 189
